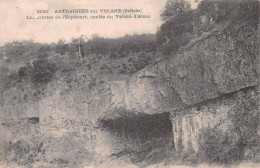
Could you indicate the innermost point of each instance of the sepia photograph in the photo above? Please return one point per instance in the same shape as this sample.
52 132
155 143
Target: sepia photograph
129 84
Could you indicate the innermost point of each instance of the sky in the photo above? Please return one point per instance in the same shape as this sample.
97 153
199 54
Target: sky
15 26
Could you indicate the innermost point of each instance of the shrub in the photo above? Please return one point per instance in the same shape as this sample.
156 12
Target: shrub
43 71
176 32
61 49
23 71
44 51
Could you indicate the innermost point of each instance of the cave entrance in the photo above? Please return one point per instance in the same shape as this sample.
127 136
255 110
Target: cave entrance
142 135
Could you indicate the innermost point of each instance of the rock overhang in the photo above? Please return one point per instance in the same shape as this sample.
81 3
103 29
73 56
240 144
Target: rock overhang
211 67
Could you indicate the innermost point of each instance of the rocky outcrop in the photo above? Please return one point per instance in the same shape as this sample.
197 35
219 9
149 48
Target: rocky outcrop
214 66
214 114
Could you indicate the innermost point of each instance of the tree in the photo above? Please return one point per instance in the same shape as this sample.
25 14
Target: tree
177 30
44 51
81 40
43 71
61 41
17 49
174 8
77 45
212 13
61 47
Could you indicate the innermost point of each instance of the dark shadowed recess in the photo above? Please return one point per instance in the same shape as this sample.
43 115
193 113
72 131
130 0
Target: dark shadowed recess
33 120
141 126
146 137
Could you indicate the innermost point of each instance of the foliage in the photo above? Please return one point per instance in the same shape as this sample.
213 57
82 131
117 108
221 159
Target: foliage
176 33
29 81
94 48
44 51
174 8
211 13
76 46
61 47
220 10
98 46
16 49
120 47
182 24
42 71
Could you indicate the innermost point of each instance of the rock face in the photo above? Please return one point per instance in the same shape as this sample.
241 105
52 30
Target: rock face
215 114
214 66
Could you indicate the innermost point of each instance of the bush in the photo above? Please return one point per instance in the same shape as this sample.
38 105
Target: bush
176 33
44 51
42 71
22 71
61 49
217 12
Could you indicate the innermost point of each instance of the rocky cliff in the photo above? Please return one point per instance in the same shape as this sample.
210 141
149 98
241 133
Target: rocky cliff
216 65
